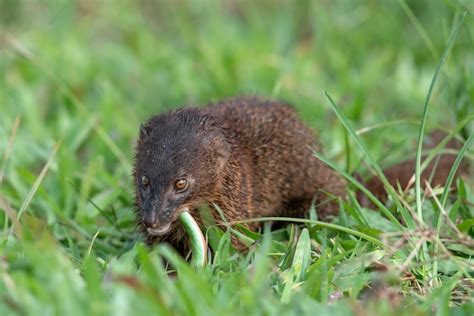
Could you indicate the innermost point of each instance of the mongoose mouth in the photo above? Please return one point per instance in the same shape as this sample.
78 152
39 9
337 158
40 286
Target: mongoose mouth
159 231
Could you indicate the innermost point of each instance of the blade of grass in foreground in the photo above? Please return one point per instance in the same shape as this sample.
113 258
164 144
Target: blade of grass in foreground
318 223
361 187
424 118
405 215
38 181
453 170
444 197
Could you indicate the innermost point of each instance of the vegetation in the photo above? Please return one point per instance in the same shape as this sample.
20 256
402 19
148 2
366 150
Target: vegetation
78 77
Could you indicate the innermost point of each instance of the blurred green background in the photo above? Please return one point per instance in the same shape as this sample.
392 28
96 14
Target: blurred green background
79 77
86 73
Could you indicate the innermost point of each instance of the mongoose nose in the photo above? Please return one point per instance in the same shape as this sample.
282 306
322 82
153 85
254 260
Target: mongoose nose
150 219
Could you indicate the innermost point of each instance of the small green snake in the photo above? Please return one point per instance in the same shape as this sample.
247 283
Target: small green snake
198 242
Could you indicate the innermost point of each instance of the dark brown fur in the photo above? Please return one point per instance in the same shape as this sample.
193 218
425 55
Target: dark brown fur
251 157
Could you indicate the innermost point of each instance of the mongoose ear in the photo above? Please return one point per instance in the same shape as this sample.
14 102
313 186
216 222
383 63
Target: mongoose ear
220 146
223 147
214 136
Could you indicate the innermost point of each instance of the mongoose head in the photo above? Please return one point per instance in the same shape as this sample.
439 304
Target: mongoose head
178 158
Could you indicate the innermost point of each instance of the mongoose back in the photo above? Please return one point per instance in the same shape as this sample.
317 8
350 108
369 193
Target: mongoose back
249 156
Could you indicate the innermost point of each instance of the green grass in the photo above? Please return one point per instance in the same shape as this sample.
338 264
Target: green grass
77 78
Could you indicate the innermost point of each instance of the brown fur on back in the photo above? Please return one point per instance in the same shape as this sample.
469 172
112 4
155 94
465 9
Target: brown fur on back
272 161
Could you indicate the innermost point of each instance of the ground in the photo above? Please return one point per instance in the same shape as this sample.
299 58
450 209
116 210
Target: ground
78 77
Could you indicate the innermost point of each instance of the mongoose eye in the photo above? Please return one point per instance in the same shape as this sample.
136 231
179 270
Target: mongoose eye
181 185
145 182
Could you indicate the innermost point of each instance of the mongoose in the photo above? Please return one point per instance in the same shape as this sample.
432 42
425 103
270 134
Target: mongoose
251 157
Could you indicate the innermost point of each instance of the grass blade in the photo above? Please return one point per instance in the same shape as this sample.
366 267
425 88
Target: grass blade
361 187
316 223
424 119
406 216
38 181
302 257
454 168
